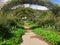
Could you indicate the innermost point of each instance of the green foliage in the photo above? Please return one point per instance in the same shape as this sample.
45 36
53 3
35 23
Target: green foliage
21 25
22 12
11 28
30 24
6 24
48 35
16 39
44 18
12 19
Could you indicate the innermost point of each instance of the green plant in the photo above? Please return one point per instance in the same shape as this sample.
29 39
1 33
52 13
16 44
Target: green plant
48 35
16 39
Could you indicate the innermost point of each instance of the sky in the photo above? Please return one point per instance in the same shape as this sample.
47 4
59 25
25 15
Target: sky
56 1
3 1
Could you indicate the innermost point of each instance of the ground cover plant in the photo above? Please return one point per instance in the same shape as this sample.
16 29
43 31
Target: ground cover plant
31 24
48 35
14 37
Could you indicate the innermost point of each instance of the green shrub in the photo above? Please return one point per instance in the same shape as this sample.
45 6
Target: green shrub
21 24
6 24
16 39
48 35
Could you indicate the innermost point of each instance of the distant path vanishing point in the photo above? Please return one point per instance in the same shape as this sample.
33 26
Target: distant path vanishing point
30 39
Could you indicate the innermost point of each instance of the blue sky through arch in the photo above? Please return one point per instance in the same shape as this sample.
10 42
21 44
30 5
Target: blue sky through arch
56 1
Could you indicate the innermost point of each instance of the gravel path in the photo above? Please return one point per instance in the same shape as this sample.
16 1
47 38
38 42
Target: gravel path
28 38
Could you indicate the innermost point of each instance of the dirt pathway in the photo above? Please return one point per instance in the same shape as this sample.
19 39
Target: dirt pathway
30 39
